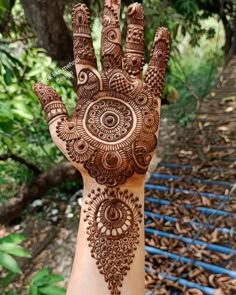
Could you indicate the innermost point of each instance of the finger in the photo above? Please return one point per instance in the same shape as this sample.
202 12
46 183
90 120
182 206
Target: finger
111 50
84 53
158 61
134 48
51 102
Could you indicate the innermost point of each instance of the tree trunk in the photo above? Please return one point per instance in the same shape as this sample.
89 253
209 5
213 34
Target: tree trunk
40 185
47 21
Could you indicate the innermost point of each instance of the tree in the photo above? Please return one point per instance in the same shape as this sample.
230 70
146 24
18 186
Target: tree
195 10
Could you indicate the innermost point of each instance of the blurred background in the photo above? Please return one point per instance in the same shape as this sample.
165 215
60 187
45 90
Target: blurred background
36 45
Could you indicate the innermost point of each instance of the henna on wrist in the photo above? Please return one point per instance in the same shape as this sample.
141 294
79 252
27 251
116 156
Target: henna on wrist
113 217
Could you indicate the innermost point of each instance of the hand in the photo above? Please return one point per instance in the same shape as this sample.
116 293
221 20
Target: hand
111 135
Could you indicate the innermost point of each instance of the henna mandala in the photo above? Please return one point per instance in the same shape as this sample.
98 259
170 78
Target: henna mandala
113 218
112 130
113 133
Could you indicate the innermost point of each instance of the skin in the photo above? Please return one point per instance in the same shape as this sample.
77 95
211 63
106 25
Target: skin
108 164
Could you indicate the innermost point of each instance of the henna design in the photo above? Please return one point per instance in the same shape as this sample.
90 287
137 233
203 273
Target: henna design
111 51
113 218
83 47
158 60
134 50
50 101
118 130
112 129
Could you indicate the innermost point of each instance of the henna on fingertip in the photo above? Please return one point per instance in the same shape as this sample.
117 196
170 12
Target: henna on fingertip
82 40
51 102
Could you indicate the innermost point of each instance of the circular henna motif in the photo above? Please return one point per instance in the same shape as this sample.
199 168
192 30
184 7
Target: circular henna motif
67 130
112 134
114 218
109 120
78 150
110 124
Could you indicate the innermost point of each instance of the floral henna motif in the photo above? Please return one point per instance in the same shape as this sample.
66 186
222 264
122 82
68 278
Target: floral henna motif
113 217
113 133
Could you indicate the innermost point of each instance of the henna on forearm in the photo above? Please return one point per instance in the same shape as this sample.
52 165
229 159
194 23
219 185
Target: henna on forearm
113 217
111 136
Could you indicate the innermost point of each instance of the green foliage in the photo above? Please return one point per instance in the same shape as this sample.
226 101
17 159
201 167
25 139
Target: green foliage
193 72
23 130
9 247
43 283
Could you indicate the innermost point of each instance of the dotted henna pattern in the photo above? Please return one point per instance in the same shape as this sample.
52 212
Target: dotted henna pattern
113 218
134 49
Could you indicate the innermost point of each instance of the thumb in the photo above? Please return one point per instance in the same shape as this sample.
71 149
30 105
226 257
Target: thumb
51 102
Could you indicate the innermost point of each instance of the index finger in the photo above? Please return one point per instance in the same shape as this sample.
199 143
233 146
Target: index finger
158 61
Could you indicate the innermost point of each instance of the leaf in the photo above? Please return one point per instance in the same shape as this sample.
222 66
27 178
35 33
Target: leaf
9 263
40 275
7 76
33 290
22 110
14 249
52 290
4 282
52 279
13 238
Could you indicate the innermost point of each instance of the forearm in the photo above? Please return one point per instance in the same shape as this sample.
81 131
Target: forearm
112 231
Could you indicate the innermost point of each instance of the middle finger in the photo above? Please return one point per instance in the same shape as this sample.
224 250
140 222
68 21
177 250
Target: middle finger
111 50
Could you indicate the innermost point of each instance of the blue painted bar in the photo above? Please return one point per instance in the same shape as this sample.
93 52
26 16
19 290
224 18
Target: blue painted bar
188 284
212 247
173 165
194 179
183 282
163 188
197 224
190 167
228 159
206 266
188 206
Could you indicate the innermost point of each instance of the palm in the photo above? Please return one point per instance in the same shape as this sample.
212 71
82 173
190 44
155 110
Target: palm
112 130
